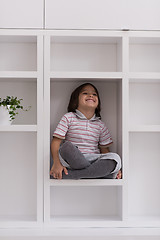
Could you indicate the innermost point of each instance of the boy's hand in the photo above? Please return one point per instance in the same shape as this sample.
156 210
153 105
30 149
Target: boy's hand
57 169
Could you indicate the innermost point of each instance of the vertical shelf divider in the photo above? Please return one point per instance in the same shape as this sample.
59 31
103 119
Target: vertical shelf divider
125 114
40 128
46 128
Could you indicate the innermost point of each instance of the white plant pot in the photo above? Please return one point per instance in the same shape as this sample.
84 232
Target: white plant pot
4 116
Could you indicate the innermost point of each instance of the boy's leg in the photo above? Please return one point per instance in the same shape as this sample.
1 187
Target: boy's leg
72 155
99 168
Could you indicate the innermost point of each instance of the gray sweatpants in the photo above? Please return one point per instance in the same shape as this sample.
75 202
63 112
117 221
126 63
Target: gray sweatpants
88 165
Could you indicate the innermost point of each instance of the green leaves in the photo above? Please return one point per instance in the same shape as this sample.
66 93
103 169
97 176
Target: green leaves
12 104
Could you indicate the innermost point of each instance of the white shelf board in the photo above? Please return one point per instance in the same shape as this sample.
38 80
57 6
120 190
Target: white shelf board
18 36
86 182
136 76
82 32
84 36
85 221
144 128
86 39
19 128
144 37
84 75
83 233
144 221
15 221
17 218
104 221
85 218
18 74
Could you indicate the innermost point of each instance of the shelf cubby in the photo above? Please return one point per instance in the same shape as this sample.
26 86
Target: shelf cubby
18 53
86 54
144 99
144 165
77 204
18 176
26 89
144 54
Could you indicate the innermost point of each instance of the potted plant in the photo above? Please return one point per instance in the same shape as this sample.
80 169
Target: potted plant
9 107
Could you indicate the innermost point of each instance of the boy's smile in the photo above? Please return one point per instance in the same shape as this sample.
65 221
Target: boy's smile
90 99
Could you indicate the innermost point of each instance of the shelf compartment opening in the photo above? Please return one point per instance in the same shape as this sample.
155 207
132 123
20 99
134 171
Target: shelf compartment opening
18 53
87 54
18 176
144 162
144 54
25 89
86 203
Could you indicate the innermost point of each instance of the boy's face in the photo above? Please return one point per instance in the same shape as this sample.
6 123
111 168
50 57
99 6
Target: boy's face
88 98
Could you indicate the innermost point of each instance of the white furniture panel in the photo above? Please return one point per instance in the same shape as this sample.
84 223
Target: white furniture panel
21 13
141 14
84 14
102 14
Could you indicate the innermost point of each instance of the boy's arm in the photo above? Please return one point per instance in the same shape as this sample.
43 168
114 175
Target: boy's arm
104 149
57 168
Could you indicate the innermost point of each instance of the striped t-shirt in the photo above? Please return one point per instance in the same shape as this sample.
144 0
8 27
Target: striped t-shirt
86 134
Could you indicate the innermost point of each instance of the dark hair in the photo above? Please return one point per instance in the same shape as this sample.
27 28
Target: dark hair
73 102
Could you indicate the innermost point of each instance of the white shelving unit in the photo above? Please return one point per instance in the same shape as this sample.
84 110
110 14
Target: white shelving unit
44 67
21 144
